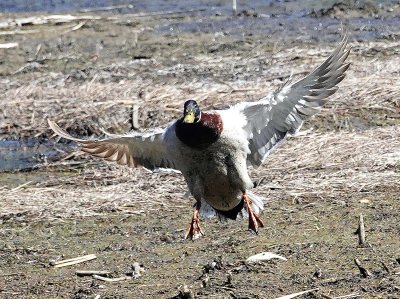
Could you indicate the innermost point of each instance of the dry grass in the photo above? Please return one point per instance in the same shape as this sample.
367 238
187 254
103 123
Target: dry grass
327 166
335 159
370 93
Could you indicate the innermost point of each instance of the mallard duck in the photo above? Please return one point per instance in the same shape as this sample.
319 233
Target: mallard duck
212 149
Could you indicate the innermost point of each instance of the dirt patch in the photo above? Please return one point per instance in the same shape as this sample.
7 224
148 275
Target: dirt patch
343 164
349 8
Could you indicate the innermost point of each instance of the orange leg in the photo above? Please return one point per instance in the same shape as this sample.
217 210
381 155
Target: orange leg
194 231
254 220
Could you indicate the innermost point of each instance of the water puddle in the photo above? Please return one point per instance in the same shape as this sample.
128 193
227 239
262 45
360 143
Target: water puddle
19 157
24 155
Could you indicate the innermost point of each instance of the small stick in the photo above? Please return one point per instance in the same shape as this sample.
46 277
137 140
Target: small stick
385 267
364 272
297 294
135 117
102 278
352 295
156 13
18 32
21 186
8 45
229 278
91 272
73 261
361 230
106 8
38 48
76 27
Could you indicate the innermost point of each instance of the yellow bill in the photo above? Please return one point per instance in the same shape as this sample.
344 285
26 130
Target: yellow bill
189 117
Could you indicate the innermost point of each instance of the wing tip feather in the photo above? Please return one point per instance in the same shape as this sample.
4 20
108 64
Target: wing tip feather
61 132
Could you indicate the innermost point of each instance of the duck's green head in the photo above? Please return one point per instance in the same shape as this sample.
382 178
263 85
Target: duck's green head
191 112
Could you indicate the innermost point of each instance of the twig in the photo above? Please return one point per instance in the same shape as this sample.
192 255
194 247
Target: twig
76 27
73 261
21 186
135 117
297 294
364 272
349 296
352 295
361 231
102 278
106 8
31 66
265 256
229 278
158 13
227 288
40 20
14 32
8 45
91 272
38 48
385 267
311 204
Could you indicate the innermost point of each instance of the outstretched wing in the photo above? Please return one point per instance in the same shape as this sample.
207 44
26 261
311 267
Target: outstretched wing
284 111
148 150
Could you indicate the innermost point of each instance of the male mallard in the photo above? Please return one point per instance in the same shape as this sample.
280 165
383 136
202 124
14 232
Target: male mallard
213 148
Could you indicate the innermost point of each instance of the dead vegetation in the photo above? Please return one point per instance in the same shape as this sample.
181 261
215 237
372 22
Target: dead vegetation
89 100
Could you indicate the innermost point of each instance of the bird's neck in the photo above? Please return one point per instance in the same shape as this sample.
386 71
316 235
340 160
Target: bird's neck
202 134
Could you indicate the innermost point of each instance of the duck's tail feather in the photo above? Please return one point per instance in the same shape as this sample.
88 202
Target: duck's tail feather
257 204
231 214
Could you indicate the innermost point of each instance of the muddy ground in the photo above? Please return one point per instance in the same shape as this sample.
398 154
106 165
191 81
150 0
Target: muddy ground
91 75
